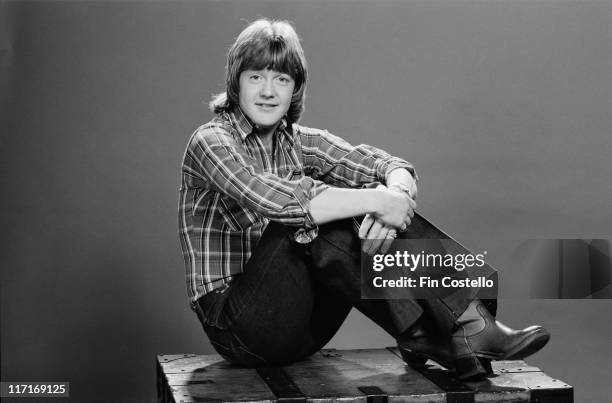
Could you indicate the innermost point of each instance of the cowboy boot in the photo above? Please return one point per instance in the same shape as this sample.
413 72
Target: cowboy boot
479 338
419 344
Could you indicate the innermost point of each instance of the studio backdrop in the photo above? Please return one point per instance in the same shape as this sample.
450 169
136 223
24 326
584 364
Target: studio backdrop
504 108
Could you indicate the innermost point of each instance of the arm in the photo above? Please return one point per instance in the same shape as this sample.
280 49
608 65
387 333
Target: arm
389 207
403 178
338 163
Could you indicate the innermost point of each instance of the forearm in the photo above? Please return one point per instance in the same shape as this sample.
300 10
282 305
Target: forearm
337 204
404 177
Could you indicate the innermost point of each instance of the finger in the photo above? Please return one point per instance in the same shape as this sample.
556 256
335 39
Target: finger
375 230
414 191
372 237
365 226
408 222
378 240
412 207
405 225
372 233
388 241
377 243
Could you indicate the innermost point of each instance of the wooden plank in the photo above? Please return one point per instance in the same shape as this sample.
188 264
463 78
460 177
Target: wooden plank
455 390
236 392
339 375
513 366
281 385
513 381
177 363
162 385
520 386
209 378
374 394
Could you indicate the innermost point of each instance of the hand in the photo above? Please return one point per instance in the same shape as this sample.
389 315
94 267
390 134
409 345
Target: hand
376 235
396 208
379 236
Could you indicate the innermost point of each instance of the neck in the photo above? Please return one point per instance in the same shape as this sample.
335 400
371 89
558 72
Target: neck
265 133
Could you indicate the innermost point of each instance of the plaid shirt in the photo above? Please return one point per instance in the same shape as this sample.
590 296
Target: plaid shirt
231 187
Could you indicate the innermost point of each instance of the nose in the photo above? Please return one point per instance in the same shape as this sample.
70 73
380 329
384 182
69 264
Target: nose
267 88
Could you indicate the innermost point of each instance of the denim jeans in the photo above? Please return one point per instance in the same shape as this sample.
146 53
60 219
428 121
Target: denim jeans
292 298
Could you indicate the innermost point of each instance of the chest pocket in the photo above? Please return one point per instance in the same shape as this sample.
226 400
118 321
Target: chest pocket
291 173
296 173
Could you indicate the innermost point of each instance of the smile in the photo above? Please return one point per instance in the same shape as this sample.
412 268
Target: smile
266 106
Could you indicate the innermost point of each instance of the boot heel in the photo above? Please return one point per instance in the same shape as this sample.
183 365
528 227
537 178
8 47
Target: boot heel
414 360
486 364
471 368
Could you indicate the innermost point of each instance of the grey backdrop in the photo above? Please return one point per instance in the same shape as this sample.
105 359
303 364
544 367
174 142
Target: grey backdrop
504 108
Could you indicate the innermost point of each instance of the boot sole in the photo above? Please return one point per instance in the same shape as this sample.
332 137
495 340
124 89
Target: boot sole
467 369
538 340
417 359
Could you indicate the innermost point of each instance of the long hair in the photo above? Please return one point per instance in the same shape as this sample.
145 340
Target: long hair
265 44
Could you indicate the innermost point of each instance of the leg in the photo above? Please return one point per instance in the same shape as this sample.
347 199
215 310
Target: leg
292 298
274 313
336 263
421 228
476 336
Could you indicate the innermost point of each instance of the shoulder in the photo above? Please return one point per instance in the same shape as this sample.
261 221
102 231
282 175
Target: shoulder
311 135
305 131
218 132
316 137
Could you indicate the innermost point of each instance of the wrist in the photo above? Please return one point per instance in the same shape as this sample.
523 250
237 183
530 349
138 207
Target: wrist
380 201
400 187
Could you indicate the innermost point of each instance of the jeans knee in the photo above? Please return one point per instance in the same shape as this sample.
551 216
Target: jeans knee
341 235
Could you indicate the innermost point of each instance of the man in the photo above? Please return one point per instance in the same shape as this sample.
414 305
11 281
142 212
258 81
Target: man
266 217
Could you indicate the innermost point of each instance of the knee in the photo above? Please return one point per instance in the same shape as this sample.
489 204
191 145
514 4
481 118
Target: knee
341 234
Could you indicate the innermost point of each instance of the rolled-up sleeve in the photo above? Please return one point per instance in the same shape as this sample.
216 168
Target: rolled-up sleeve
338 163
222 165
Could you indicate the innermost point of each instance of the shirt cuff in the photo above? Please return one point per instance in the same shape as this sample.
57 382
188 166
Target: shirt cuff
310 230
385 168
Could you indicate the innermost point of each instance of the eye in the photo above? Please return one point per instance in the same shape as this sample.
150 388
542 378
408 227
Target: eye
254 77
284 80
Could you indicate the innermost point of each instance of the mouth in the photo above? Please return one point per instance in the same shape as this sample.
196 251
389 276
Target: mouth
266 106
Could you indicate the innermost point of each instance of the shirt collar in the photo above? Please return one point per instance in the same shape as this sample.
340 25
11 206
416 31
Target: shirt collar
245 127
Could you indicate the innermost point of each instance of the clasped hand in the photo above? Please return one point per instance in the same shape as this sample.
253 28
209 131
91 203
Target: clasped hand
379 230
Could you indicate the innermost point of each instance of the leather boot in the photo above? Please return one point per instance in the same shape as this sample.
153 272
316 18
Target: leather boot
420 344
479 338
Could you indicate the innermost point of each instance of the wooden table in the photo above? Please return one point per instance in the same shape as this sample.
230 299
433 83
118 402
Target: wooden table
365 376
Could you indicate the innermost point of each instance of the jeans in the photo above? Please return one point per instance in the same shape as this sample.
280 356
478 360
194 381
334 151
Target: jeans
292 298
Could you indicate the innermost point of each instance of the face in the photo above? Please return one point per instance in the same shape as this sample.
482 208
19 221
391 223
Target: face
265 96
